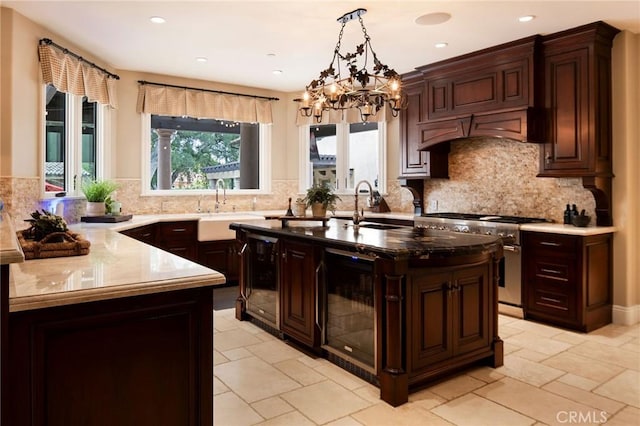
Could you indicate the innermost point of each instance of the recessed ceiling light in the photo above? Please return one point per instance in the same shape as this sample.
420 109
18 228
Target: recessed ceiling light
433 18
157 20
441 45
526 18
277 72
201 59
271 55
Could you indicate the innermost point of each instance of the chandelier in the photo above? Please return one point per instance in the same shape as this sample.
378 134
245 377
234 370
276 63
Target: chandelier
360 89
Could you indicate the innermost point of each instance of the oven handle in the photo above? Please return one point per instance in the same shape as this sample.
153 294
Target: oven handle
514 249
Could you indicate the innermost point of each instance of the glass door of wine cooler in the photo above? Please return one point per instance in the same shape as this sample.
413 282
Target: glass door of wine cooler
262 278
350 310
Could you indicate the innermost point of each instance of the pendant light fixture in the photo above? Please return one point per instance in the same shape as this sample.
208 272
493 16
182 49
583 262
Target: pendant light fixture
368 91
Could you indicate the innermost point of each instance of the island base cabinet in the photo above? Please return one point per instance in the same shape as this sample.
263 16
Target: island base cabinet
143 360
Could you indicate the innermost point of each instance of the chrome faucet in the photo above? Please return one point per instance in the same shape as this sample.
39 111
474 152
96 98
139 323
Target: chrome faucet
359 216
220 183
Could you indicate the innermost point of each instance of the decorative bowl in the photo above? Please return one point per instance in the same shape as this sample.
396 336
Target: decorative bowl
581 220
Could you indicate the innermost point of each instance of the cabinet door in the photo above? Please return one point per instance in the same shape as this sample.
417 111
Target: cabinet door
567 102
430 319
216 255
179 238
413 163
297 292
471 317
145 234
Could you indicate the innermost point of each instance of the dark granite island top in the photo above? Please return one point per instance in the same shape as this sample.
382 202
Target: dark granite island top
398 306
397 242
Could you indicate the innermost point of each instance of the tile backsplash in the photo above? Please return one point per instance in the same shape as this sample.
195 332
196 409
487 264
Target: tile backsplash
488 176
498 176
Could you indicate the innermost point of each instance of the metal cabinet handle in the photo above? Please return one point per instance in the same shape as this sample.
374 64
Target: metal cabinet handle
549 243
551 271
550 299
244 247
178 229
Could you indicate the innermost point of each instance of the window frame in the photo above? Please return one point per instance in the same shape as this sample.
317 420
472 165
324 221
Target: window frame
73 144
305 169
265 131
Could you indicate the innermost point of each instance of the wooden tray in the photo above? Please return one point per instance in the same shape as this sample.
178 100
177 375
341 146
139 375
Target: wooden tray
106 219
285 219
71 245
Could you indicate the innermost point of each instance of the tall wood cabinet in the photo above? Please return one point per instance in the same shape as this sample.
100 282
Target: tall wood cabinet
577 69
567 279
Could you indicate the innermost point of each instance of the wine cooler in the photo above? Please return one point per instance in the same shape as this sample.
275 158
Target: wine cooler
262 279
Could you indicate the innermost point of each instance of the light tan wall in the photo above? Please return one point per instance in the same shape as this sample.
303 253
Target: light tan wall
626 167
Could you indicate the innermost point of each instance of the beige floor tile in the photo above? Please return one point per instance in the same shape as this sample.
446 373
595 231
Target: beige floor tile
505 331
224 324
237 353
582 366
218 358
272 407
312 362
632 345
299 372
409 414
571 337
627 416
340 376
474 410
486 374
625 387
345 421
610 354
531 355
506 319
273 351
609 336
528 371
426 399
230 410
288 419
253 379
236 338
369 393
584 397
325 401
456 386
535 342
578 382
219 387
531 401
537 328
510 348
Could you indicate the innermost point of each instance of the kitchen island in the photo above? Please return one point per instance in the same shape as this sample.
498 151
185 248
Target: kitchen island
123 335
398 306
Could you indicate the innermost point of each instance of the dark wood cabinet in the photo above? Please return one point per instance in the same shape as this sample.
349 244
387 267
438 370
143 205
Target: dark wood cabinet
146 234
179 238
577 69
222 256
416 163
567 279
140 360
298 292
448 315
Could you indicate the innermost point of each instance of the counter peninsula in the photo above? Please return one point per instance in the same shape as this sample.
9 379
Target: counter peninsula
122 335
398 306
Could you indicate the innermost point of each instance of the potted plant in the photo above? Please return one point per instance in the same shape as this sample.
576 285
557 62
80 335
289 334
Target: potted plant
321 198
98 194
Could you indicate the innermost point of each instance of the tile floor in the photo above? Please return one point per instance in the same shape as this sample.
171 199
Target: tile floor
550 376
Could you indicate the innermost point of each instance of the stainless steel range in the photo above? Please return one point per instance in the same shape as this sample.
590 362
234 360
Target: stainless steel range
505 227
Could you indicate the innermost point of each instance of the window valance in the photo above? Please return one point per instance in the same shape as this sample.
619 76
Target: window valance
159 99
70 73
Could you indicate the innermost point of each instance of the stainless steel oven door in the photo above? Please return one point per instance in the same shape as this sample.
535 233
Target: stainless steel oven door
510 284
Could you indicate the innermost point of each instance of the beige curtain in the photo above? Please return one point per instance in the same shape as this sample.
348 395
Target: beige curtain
166 100
70 75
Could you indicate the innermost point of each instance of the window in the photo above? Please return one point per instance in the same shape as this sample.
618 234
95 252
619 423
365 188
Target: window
184 155
74 140
342 155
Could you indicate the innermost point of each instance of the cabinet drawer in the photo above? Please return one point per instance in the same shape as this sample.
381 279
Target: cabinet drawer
546 300
556 243
171 231
560 272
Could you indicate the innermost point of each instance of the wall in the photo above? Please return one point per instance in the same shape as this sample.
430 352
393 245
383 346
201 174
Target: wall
488 176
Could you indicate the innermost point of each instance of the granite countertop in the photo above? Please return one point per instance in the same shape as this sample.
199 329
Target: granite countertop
117 266
401 242
10 250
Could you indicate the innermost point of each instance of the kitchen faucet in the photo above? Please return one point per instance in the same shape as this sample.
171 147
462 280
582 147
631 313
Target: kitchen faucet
359 216
220 183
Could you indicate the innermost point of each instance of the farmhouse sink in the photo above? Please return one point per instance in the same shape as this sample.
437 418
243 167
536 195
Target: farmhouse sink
215 226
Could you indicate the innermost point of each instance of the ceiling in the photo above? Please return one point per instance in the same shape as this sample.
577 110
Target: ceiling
245 41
